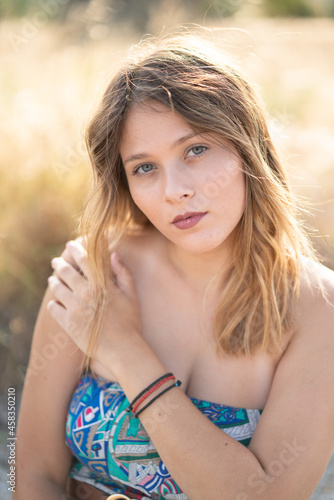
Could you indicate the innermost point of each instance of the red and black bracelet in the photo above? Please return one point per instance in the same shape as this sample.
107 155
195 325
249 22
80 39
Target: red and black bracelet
149 391
176 384
162 379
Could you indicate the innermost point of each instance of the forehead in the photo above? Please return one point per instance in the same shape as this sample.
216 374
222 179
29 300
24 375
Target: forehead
151 124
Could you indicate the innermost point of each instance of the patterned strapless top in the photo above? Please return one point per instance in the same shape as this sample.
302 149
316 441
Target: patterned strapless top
112 450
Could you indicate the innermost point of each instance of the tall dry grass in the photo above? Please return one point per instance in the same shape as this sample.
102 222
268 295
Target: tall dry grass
48 86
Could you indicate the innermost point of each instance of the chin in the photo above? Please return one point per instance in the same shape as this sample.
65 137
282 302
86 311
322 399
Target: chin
198 248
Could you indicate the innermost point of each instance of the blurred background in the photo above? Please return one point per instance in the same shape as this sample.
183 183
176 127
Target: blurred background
55 59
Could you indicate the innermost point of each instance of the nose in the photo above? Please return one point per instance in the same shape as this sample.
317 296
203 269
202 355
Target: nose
177 185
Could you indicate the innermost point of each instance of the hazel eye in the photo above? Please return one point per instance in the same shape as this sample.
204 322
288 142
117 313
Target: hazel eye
197 150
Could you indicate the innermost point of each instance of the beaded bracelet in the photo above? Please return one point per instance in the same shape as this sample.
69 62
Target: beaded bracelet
177 384
154 388
129 408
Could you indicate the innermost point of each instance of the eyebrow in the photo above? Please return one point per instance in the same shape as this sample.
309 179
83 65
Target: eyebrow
178 142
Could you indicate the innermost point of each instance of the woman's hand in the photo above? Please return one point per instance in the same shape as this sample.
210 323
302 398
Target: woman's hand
74 306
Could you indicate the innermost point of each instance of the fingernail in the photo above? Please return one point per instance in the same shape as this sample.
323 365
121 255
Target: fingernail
54 262
69 244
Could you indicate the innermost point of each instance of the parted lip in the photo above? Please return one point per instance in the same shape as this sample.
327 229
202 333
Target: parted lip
186 215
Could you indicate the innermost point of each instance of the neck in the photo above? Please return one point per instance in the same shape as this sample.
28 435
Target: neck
203 272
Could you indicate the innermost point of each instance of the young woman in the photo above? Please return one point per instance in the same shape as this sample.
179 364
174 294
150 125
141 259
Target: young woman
191 269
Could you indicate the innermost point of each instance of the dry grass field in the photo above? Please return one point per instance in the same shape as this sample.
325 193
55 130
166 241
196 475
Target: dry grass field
50 79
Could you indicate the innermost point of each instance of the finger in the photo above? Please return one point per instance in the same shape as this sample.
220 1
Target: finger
124 278
67 273
78 254
58 312
67 255
61 292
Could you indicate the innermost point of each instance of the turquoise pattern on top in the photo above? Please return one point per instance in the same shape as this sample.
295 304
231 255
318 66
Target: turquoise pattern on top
112 450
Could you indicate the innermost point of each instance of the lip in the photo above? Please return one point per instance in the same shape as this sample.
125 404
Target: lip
188 219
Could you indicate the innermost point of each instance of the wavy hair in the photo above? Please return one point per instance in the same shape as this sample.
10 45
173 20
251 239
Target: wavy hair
190 77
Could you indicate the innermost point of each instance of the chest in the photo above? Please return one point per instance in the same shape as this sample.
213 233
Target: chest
237 382
178 325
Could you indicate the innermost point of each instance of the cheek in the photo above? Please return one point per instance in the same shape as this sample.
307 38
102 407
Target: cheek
237 193
227 188
241 192
135 193
144 201
221 175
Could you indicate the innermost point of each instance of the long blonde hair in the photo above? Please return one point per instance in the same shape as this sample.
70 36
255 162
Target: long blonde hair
189 77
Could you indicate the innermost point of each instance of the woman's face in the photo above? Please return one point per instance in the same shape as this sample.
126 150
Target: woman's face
171 170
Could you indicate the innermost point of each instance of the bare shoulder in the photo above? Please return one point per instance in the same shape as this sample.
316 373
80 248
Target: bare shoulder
315 273
141 248
315 304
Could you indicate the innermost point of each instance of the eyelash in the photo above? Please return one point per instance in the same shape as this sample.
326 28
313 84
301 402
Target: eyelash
205 148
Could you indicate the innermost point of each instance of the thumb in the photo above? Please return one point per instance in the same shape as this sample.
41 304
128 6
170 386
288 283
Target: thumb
124 279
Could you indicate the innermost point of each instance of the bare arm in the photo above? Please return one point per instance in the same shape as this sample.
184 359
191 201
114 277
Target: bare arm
43 459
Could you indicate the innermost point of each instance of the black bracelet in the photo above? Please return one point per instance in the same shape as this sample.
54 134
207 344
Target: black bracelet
129 408
177 384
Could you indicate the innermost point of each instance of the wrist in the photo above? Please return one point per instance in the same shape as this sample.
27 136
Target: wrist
122 352
134 366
